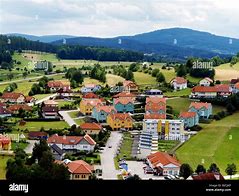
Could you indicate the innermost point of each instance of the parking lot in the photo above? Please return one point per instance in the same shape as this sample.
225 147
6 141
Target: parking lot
136 167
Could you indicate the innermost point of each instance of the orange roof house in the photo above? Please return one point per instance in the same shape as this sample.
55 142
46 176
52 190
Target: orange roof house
73 143
57 85
16 107
5 142
90 95
100 112
155 104
91 128
13 97
124 104
163 163
203 110
179 83
87 105
130 86
118 121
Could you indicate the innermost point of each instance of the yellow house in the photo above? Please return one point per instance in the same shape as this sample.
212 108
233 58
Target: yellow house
120 120
86 106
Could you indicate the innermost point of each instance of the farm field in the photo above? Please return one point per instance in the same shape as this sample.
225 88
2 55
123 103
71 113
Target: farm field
36 126
226 72
144 79
212 144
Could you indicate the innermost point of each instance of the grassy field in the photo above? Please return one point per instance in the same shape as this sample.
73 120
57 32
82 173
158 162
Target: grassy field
36 126
73 114
62 102
126 147
3 163
212 144
184 92
91 81
168 74
144 79
112 80
21 145
41 96
79 121
193 79
166 145
227 72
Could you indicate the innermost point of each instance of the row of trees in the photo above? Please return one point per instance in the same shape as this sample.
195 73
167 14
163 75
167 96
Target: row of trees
186 170
40 87
120 70
98 73
159 75
40 166
75 76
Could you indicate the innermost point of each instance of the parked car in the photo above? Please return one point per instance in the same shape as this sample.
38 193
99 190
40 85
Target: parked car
148 170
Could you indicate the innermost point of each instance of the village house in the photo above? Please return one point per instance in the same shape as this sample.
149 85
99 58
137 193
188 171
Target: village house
5 142
73 143
236 88
55 86
120 121
90 95
87 105
79 170
190 119
16 107
50 103
206 82
13 98
91 128
206 176
50 112
90 88
58 154
204 110
125 95
179 83
67 93
130 86
123 104
37 135
30 99
163 164
100 112
154 92
4 112
155 104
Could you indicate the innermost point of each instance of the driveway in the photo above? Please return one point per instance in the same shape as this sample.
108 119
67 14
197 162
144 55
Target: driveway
44 99
136 167
30 146
107 157
67 117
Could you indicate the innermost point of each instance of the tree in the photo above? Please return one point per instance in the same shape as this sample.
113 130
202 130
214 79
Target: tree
200 169
24 74
160 77
213 168
38 150
231 169
10 76
155 72
181 71
185 170
129 75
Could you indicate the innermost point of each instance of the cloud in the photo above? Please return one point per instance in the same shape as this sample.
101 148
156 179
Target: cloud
106 18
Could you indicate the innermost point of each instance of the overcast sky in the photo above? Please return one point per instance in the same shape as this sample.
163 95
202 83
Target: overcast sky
106 18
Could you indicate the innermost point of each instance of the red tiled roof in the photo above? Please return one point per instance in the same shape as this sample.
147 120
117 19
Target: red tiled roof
154 116
187 114
70 140
121 116
179 80
237 85
199 105
207 176
91 126
12 95
93 102
163 158
3 110
155 104
223 88
155 99
123 100
105 108
124 94
37 134
90 96
129 83
4 139
216 88
29 98
17 107
80 167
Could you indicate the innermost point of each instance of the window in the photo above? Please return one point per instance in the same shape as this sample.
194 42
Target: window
82 176
85 146
77 176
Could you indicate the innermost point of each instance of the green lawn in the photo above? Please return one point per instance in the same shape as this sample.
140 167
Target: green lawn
212 144
62 102
24 61
3 164
144 79
179 104
112 79
73 114
167 145
79 121
41 96
168 74
36 126
126 147
193 79
180 93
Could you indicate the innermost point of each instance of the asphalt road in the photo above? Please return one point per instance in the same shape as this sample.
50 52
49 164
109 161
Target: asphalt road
67 117
107 157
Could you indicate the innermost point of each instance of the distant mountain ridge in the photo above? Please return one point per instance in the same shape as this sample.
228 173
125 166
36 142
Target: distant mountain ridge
173 43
